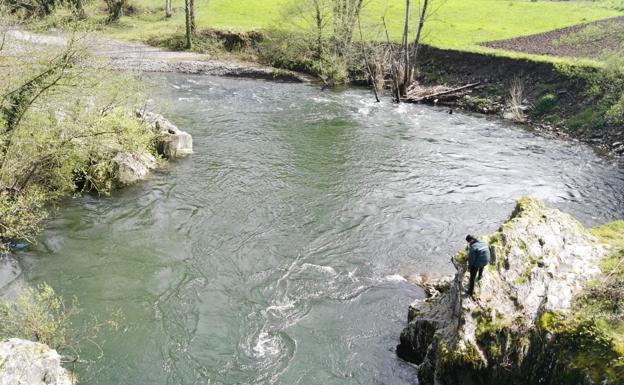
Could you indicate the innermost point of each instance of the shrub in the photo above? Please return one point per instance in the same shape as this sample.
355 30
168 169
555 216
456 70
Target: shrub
591 118
545 104
606 87
39 314
21 214
60 126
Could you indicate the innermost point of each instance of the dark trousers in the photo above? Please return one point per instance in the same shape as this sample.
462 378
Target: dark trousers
475 272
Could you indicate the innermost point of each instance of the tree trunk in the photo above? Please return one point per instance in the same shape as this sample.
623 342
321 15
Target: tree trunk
192 16
396 92
367 62
168 8
189 31
407 70
319 30
346 13
421 24
80 12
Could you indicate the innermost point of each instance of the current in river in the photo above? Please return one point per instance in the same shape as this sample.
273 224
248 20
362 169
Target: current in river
277 253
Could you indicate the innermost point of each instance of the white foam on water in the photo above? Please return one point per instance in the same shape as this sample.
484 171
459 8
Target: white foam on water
364 111
325 269
395 278
266 345
320 100
281 307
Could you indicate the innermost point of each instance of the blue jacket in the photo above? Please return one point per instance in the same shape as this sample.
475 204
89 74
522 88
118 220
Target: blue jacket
479 254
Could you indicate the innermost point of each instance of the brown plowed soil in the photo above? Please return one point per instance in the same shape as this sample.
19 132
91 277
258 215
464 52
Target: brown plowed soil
597 40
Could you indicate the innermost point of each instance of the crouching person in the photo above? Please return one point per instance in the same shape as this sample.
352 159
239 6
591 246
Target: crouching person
478 259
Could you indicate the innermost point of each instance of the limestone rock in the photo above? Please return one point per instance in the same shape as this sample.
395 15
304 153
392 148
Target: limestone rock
544 259
30 363
172 142
131 168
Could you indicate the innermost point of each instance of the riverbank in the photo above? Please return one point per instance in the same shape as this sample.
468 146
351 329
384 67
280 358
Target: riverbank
70 125
567 101
131 56
560 100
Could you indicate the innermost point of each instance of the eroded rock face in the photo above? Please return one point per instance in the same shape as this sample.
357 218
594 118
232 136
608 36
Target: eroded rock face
30 363
544 259
172 142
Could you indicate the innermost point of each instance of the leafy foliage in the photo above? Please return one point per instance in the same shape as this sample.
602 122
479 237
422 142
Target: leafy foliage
60 126
22 214
605 298
322 43
545 104
39 314
606 87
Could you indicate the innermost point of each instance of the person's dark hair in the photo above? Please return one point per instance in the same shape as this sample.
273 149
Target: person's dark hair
470 238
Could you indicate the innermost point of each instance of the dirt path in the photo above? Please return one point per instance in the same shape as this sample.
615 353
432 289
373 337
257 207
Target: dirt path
123 55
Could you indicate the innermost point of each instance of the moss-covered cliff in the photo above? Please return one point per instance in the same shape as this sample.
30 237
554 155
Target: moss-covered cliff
545 312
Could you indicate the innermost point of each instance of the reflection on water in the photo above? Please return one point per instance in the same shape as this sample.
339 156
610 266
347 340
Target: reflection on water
275 254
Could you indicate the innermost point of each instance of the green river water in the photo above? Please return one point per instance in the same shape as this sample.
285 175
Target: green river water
276 254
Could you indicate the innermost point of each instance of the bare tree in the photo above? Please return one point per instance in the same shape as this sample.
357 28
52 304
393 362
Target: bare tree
168 12
189 28
192 16
396 92
346 13
371 74
405 75
421 25
320 23
407 79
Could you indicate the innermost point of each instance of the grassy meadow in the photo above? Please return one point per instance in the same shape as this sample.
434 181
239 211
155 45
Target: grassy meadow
458 24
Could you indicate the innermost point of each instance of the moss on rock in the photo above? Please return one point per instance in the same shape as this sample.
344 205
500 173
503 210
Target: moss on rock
532 322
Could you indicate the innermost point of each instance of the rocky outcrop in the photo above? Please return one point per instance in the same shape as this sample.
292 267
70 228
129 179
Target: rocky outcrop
507 334
130 168
171 141
31 363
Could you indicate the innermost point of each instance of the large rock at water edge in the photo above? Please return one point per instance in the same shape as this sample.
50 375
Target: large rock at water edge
30 363
545 258
131 168
171 142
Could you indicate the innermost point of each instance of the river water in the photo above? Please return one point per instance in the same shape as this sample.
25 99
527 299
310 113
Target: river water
276 253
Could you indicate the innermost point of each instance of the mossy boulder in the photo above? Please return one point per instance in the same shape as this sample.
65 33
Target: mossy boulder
523 326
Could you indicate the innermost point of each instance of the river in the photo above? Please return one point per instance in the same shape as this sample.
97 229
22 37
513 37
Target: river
276 254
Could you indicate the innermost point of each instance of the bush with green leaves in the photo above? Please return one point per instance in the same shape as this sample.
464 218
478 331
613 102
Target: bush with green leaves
545 104
42 8
61 124
39 314
323 41
605 86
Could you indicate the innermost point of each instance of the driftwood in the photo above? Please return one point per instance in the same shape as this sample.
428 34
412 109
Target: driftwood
419 94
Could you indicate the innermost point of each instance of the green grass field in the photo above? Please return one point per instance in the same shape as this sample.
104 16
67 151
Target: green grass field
457 24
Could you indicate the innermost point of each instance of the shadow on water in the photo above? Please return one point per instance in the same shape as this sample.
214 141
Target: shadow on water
276 253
